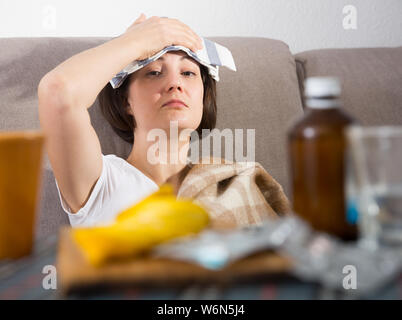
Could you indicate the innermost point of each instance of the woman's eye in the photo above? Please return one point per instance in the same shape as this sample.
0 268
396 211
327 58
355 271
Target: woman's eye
158 73
154 73
188 73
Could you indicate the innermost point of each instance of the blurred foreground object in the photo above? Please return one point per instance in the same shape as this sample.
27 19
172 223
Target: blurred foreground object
317 147
375 184
20 180
157 218
315 256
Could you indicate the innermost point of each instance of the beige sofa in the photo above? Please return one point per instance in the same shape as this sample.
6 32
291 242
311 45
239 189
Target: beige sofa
264 94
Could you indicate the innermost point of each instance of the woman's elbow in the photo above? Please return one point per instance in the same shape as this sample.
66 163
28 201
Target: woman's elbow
53 94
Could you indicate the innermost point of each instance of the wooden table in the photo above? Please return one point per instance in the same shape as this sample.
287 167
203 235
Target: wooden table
22 279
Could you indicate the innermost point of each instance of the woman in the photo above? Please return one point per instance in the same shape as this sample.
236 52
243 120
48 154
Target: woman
93 188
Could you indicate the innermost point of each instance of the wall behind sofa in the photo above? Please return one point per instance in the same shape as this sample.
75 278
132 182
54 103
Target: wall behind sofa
304 25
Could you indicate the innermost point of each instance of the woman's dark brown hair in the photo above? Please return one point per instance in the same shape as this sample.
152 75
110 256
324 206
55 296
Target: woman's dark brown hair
113 104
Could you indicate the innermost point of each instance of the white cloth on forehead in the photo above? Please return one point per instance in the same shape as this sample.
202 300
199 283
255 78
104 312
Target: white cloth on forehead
212 55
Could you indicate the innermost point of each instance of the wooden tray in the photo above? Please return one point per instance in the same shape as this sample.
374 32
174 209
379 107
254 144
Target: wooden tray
75 274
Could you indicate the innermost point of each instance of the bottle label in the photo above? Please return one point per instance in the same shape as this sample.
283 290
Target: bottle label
352 211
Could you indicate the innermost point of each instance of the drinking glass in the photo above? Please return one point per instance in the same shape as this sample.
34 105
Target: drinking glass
374 184
20 181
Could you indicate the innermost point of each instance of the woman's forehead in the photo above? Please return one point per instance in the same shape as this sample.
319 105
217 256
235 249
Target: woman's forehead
180 55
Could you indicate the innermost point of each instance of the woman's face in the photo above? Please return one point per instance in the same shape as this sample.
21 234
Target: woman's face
173 76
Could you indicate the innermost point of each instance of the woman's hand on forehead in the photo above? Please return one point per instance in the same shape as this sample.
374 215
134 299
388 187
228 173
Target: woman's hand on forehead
153 34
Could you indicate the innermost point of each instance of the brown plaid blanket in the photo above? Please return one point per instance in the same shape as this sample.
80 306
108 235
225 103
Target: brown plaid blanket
236 194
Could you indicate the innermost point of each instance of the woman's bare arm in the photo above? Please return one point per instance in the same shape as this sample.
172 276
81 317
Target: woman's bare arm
67 91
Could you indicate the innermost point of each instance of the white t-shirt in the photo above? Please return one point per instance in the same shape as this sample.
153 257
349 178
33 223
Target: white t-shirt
119 186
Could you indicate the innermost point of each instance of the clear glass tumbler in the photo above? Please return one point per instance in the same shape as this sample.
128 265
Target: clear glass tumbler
374 184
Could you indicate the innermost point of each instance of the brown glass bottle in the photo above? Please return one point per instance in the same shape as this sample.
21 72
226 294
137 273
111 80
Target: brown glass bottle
317 147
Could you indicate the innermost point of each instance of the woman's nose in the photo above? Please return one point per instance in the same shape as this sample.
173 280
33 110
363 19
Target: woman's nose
174 83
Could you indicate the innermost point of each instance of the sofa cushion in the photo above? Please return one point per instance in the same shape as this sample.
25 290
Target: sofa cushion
371 80
50 215
263 95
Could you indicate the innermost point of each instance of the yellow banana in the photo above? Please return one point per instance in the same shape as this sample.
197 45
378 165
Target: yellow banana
156 219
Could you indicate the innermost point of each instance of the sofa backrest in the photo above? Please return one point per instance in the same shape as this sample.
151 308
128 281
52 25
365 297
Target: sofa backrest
263 95
371 80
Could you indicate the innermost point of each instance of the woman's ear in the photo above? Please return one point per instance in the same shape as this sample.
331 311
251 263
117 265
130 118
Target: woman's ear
129 110
128 106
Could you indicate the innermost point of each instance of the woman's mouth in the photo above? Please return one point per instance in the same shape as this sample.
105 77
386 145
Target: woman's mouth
175 104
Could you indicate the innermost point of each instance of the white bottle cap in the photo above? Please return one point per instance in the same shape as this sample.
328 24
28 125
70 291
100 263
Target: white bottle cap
316 87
